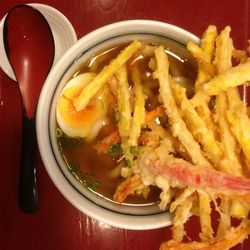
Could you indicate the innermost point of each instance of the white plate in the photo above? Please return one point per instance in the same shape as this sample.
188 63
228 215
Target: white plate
62 30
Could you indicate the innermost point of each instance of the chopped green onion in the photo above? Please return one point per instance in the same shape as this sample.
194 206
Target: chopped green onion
90 181
134 150
93 185
129 163
115 149
72 168
87 179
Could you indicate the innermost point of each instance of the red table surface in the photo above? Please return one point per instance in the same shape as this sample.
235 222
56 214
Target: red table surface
57 224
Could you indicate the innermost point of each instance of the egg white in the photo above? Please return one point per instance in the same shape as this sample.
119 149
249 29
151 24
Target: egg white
92 124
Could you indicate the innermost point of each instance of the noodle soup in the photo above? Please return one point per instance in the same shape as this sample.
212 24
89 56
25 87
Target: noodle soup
102 171
88 197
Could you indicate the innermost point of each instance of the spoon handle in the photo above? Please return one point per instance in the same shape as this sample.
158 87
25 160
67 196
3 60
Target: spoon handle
28 194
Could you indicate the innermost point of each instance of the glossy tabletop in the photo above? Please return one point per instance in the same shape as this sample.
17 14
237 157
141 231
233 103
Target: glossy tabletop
57 224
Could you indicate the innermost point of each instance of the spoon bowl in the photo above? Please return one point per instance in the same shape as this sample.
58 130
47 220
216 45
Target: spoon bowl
63 33
29 45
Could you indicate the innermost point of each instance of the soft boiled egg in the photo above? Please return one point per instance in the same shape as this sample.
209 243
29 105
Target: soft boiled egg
87 122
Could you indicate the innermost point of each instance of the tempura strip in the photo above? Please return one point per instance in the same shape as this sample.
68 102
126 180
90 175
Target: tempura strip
207 41
127 187
240 55
207 116
115 138
139 109
204 55
178 126
197 52
153 114
223 61
232 77
196 125
165 195
240 123
224 51
232 238
186 193
123 102
239 209
205 216
97 83
201 58
181 216
225 220
231 161
203 76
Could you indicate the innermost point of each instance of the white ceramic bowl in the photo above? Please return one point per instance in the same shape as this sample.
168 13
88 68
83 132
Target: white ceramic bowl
81 198
63 33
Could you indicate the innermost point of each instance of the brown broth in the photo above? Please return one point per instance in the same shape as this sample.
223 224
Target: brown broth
85 157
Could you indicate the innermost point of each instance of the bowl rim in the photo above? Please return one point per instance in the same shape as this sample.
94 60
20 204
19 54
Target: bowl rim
136 222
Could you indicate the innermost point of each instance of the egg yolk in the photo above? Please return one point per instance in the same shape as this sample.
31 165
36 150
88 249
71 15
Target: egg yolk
79 123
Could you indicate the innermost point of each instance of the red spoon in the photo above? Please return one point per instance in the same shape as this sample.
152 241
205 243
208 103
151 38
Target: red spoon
29 45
